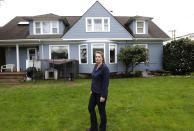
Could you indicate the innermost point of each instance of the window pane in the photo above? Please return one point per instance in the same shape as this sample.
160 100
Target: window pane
106 28
54 30
112 54
105 25
140 30
140 24
97 25
32 54
89 21
54 27
46 27
37 24
83 54
89 27
37 27
59 52
37 30
95 49
106 21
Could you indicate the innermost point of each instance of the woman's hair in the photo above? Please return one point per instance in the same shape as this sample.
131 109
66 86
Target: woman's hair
102 54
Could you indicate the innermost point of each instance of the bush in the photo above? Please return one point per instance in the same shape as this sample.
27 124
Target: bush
178 56
138 74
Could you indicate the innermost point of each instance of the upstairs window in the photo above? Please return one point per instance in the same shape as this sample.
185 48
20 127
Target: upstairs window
46 27
37 28
97 24
140 27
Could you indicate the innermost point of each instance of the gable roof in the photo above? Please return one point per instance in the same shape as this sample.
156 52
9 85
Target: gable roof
13 30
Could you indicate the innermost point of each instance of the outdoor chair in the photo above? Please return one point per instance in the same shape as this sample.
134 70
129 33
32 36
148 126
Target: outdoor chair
8 66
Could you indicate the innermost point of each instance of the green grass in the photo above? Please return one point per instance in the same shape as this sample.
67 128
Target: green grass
134 104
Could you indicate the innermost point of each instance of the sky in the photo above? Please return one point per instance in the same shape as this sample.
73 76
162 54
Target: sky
167 14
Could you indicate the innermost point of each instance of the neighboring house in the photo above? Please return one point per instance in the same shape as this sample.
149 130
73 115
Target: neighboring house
78 37
189 36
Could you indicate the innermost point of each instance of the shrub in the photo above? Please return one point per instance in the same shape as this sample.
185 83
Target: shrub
178 56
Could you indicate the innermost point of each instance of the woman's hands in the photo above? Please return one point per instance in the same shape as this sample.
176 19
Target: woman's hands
102 99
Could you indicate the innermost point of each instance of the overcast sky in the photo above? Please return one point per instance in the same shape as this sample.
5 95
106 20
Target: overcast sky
167 14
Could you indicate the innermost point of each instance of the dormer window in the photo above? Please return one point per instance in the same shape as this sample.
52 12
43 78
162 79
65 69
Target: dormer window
97 24
46 27
140 27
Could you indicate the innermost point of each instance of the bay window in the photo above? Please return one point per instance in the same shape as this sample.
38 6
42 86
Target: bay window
95 48
112 53
83 54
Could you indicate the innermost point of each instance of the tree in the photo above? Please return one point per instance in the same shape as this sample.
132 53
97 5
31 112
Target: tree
132 56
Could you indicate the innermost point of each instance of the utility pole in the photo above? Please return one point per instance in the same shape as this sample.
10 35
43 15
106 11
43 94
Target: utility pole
173 34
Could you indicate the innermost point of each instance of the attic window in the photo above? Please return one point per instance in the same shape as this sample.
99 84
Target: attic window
23 23
46 27
97 24
140 27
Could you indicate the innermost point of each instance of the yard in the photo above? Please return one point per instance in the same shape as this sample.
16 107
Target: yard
134 104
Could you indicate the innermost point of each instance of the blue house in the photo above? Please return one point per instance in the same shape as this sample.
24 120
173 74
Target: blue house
56 37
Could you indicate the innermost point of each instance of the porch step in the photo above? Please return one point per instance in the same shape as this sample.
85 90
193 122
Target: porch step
12 77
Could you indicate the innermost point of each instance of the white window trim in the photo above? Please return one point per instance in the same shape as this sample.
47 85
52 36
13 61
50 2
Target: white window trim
143 26
115 53
28 54
79 53
146 45
92 22
92 45
59 45
41 28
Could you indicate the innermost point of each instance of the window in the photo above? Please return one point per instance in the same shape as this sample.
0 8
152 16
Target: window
140 27
97 24
31 53
54 27
97 47
46 27
37 28
59 52
112 53
83 54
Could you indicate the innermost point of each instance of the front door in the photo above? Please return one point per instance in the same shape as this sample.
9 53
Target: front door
2 56
31 53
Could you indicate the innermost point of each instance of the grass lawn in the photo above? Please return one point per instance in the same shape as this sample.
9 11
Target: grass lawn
134 104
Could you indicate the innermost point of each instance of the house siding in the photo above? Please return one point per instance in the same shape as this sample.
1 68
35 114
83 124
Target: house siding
79 29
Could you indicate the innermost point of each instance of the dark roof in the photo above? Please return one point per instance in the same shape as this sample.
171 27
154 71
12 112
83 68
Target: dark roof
14 31
153 30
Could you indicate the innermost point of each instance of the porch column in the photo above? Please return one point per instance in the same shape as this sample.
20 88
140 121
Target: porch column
17 58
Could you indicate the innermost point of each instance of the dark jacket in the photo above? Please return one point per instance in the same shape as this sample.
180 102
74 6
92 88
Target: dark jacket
100 80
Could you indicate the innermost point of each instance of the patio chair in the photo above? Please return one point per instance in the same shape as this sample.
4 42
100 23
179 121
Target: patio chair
8 66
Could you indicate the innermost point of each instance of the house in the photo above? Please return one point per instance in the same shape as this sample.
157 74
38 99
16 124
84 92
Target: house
56 37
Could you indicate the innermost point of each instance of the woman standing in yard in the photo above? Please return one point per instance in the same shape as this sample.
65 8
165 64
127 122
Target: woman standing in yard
99 93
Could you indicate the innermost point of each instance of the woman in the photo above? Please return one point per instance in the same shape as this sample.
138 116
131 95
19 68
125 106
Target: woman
99 92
